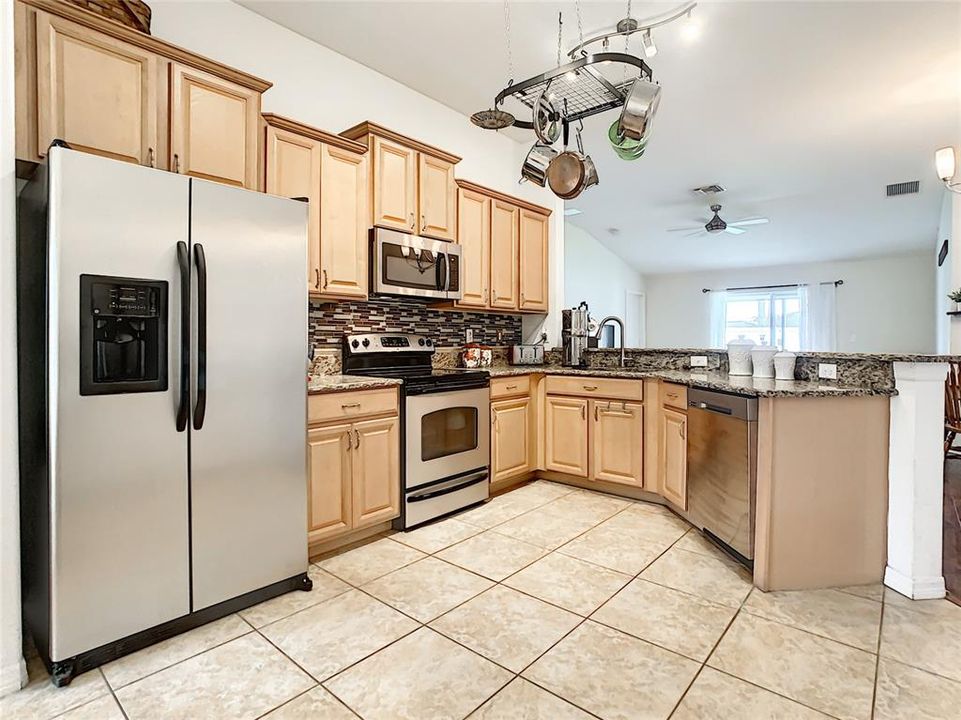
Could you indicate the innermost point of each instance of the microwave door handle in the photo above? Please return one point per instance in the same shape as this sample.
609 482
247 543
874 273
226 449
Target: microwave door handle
442 274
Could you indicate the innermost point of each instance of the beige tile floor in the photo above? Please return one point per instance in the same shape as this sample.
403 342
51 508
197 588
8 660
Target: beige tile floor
547 603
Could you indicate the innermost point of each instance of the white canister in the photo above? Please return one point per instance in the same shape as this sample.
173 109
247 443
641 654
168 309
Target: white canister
762 357
784 363
739 356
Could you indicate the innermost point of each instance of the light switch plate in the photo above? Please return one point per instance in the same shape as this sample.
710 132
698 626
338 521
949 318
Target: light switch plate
470 335
698 360
827 371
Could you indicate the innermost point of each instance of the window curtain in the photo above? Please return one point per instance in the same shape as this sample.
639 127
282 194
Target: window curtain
819 317
718 299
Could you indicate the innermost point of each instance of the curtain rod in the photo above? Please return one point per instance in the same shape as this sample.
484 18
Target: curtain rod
774 287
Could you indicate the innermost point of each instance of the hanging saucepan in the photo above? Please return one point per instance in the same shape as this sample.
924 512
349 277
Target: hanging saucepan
624 147
546 126
567 172
639 109
536 163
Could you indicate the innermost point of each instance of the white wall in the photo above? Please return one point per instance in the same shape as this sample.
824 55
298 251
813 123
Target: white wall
320 87
595 274
12 670
885 304
944 278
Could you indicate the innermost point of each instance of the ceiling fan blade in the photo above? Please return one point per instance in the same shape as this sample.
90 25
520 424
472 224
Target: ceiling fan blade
696 232
750 221
686 229
734 230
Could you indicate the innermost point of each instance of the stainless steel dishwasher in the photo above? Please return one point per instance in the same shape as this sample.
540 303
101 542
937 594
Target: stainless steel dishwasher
722 468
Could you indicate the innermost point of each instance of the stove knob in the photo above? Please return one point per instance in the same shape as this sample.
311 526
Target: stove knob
354 343
429 343
421 341
366 342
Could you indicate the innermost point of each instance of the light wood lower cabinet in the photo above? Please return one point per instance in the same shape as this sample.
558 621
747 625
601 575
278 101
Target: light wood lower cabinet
510 438
673 456
617 442
565 435
353 467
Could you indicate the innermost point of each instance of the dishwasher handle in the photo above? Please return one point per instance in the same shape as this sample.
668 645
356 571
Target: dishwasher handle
711 408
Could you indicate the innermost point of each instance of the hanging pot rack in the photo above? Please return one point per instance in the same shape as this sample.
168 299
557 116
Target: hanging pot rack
628 26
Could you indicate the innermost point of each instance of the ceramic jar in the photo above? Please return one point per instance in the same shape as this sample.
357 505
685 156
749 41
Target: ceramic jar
784 363
477 356
739 356
762 357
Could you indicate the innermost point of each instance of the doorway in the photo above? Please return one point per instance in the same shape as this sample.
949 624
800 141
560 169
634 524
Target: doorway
635 319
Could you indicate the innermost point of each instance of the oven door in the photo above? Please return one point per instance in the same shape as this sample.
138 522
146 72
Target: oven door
448 433
404 264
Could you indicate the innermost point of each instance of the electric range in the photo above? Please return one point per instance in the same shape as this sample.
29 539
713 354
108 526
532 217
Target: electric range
445 423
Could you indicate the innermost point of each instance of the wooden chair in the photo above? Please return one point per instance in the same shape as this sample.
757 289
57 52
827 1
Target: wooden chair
952 405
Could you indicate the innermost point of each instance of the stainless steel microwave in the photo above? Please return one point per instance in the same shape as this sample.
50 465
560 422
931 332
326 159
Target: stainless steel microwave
402 264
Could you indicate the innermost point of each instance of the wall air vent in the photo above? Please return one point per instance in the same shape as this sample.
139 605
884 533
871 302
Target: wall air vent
709 189
903 188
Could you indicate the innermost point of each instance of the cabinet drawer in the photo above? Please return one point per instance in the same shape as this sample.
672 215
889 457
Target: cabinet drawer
510 386
595 387
674 395
348 405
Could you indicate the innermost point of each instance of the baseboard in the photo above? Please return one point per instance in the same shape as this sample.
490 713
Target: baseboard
13 676
926 588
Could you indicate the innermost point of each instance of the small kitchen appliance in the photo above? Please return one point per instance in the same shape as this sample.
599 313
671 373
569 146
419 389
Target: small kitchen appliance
445 424
413 266
574 334
527 354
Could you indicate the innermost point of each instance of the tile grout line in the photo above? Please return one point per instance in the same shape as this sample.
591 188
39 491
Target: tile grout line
123 710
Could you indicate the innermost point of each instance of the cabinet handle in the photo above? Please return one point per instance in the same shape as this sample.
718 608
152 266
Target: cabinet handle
150 157
349 441
344 406
590 388
673 396
412 221
595 413
357 437
176 163
423 222
682 431
510 387
325 279
583 412
317 278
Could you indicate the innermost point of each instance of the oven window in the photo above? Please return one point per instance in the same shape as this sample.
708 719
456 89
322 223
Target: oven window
448 432
408 267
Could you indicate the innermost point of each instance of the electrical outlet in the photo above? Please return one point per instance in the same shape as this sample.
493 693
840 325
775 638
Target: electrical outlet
699 361
469 333
827 371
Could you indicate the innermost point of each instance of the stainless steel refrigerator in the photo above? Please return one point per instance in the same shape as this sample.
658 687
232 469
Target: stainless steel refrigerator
162 326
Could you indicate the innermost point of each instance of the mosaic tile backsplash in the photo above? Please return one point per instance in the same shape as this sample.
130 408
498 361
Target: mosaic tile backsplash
329 322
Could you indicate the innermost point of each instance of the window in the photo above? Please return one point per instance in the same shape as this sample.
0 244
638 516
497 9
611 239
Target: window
768 317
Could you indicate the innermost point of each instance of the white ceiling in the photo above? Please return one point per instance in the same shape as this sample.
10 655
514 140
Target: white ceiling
804 111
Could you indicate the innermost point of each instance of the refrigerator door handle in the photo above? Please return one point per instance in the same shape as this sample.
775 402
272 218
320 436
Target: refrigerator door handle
183 410
201 408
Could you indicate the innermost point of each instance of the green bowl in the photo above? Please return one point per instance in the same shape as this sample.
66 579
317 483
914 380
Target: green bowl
624 147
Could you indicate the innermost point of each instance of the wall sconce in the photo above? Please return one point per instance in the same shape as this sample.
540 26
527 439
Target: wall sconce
944 162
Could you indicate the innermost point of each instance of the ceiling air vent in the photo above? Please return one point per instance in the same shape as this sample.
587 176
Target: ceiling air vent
709 189
903 188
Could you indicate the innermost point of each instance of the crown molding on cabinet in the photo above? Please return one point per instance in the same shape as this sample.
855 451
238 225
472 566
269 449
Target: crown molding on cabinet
468 185
361 131
294 126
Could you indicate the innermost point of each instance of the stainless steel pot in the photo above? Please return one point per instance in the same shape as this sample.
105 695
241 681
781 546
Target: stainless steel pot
546 125
639 110
536 164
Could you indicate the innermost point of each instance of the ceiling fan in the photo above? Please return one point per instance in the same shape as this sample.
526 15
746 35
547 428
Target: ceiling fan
716 225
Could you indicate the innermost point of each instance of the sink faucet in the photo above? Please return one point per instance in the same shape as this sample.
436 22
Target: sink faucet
620 324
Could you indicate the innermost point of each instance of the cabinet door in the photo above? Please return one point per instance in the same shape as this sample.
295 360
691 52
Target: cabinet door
565 441
343 223
674 456
510 448
376 471
329 481
474 238
293 170
395 185
617 442
504 261
437 197
213 127
94 92
533 260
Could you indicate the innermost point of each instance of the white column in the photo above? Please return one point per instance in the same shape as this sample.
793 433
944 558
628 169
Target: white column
916 481
12 671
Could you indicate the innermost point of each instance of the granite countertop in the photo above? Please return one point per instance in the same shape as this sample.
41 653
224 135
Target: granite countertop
711 380
339 383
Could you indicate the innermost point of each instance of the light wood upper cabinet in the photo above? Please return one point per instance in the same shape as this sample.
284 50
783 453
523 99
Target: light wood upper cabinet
504 249
510 445
213 127
395 185
474 238
95 92
293 170
376 471
533 260
565 435
673 440
617 442
437 197
343 223
328 457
